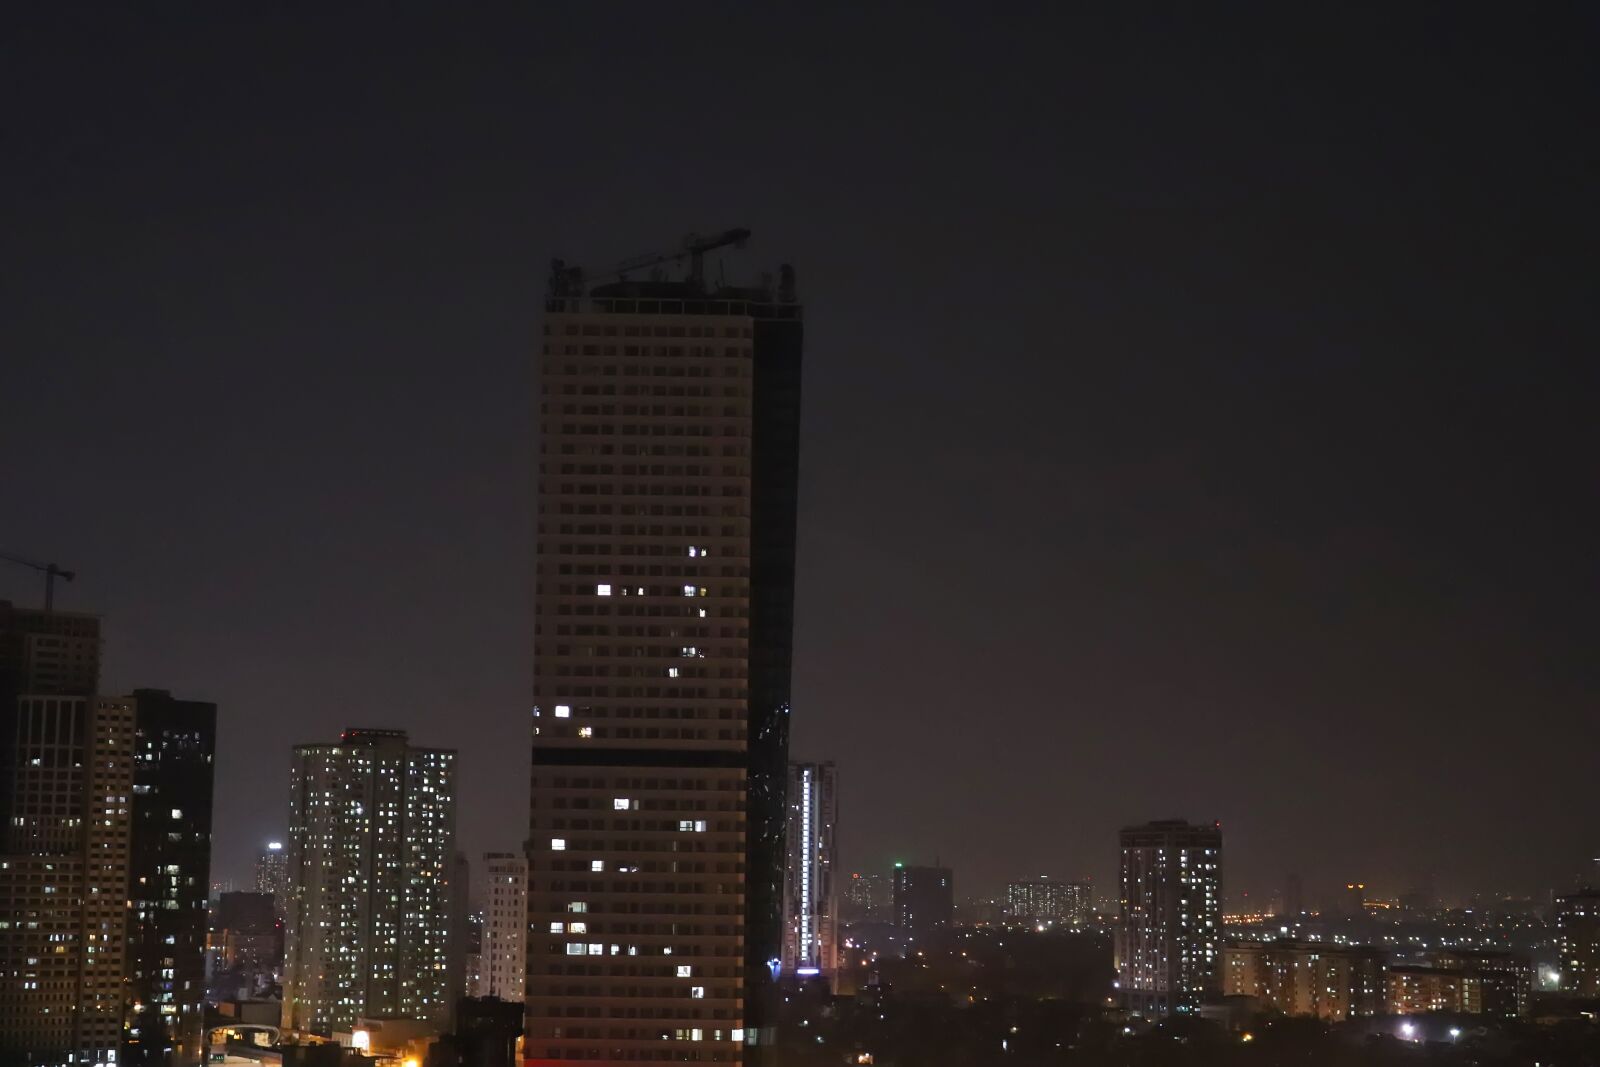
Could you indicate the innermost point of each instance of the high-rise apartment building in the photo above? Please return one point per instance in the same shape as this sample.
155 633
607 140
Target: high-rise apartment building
66 814
667 474
169 877
272 874
924 898
66 788
1048 903
810 906
371 839
504 951
868 898
1169 948
1577 917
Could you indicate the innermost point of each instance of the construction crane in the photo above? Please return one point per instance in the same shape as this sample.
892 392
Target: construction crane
569 281
50 571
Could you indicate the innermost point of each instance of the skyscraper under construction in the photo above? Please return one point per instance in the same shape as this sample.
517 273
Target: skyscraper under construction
666 505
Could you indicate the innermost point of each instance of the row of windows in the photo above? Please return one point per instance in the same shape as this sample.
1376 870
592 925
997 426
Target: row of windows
595 329
727 392
659 429
669 692
727 511
676 411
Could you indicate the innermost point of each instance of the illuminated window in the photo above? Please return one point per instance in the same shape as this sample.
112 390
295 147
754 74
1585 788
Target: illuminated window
602 590
563 711
698 992
558 844
685 970
578 928
619 803
597 865
558 928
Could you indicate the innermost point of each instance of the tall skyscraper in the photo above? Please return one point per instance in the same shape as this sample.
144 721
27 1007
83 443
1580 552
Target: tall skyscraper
1048 902
372 825
272 874
64 878
810 906
505 926
66 789
169 877
1577 918
1169 944
667 474
924 898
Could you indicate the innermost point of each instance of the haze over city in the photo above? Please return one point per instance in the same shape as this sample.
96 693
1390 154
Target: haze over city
1197 421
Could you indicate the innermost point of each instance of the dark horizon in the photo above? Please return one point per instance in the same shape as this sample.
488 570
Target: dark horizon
1198 416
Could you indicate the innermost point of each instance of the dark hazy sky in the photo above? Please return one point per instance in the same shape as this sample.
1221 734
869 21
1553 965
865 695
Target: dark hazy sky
1200 400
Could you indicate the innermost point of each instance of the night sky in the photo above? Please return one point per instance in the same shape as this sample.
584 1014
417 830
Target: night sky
1200 408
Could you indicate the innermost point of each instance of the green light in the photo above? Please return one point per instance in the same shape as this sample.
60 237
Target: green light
898 865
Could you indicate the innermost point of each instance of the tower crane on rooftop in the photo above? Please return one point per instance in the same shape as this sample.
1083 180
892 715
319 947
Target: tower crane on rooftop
566 280
51 572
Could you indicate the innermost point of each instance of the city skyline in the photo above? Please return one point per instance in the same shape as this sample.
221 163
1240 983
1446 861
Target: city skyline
1256 394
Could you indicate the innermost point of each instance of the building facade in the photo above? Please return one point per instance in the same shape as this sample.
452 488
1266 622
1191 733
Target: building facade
272 874
810 904
924 898
66 788
868 898
371 838
64 878
1331 982
667 476
504 944
1048 903
169 877
1169 948
1577 920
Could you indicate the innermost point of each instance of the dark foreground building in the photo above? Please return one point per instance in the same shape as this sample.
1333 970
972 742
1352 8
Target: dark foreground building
924 898
169 877
667 471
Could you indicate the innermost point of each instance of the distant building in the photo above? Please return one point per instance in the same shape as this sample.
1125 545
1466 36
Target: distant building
371 839
474 954
1577 917
1353 899
810 904
924 898
1331 982
1169 948
272 874
1505 979
1047 902
1415 989
505 926
169 875
247 940
1294 904
868 898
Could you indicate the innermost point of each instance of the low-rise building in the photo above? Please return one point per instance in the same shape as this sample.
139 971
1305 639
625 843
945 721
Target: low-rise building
1332 982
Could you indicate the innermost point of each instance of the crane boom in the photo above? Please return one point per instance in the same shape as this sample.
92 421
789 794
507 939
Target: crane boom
571 279
51 572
